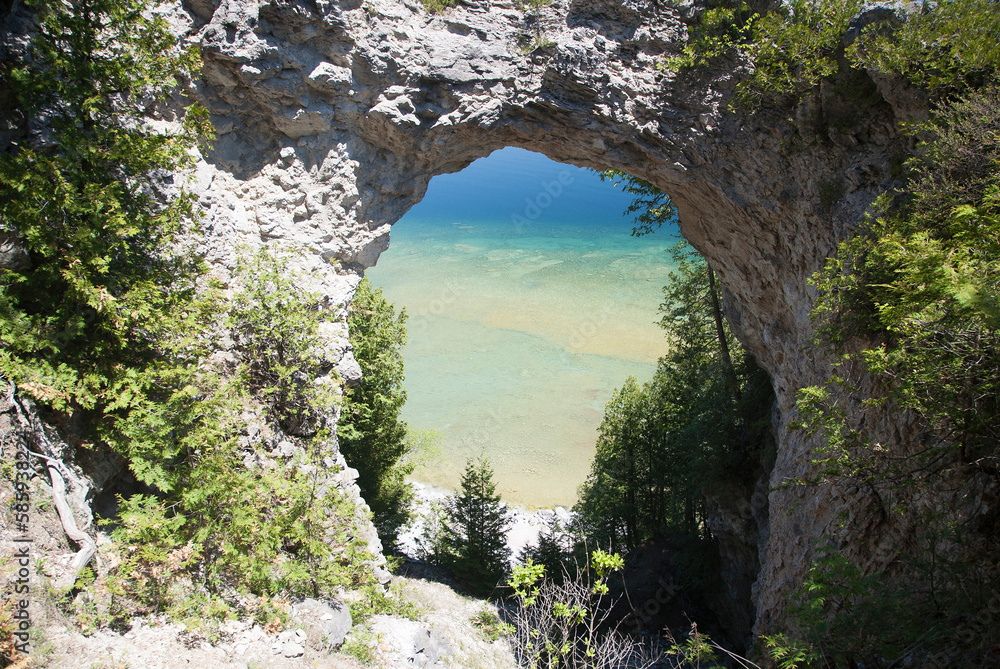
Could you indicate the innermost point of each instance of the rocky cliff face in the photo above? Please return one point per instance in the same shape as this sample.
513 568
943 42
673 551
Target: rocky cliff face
333 116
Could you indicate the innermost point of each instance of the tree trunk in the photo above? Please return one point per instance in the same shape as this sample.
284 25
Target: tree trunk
34 429
727 361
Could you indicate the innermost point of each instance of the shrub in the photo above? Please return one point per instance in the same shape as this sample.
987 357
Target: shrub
717 32
274 324
945 48
490 624
797 45
565 624
437 6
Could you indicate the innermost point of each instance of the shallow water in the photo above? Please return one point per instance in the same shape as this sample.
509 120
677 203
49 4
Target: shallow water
529 303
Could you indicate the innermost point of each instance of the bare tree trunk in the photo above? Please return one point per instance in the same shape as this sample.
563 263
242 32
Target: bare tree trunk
727 360
32 424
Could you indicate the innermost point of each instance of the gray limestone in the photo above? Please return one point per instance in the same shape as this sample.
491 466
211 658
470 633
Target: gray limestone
331 118
324 625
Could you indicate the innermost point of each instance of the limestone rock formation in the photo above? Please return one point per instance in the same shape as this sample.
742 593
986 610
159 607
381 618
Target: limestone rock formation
333 115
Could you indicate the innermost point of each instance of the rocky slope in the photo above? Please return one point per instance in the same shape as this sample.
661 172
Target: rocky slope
443 633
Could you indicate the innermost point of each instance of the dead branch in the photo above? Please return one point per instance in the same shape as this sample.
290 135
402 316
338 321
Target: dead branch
28 417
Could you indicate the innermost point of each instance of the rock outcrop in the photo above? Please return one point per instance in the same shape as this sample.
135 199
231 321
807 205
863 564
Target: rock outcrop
333 116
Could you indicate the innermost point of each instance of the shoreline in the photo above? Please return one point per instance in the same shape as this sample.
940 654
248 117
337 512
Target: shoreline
526 525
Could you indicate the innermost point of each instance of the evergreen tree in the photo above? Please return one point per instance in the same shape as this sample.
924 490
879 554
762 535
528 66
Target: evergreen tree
81 312
473 539
703 417
557 550
372 436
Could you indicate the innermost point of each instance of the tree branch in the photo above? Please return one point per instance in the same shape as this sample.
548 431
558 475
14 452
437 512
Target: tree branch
28 417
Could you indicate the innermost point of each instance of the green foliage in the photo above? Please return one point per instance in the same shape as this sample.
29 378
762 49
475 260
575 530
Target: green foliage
491 626
703 417
102 316
252 525
836 605
835 455
473 534
943 48
274 531
923 284
524 581
535 24
842 615
437 6
788 653
154 417
373 438
163 414
275 327
946 48
796 45
911 306
362 647
718 31
376 600
564 624
153 553
650 207
603 563
250 534
82 200
696 651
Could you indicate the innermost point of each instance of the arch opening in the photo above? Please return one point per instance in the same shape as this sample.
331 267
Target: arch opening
529 303
478 263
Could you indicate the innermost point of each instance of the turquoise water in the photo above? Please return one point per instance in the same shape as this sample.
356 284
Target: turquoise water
529 303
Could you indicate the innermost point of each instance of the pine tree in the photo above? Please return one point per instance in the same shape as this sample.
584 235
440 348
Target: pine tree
373 437
473 540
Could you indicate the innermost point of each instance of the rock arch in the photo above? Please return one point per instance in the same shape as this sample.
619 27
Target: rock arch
333 116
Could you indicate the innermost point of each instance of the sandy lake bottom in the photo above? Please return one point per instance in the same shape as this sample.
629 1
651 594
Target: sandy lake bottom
520 328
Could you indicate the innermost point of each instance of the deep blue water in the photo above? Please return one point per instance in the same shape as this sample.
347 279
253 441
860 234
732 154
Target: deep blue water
525 193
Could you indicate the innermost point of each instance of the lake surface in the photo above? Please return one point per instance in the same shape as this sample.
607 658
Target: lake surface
529 303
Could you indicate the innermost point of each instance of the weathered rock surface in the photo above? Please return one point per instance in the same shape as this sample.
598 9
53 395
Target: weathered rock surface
333 116
408 643
444 635
325 624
